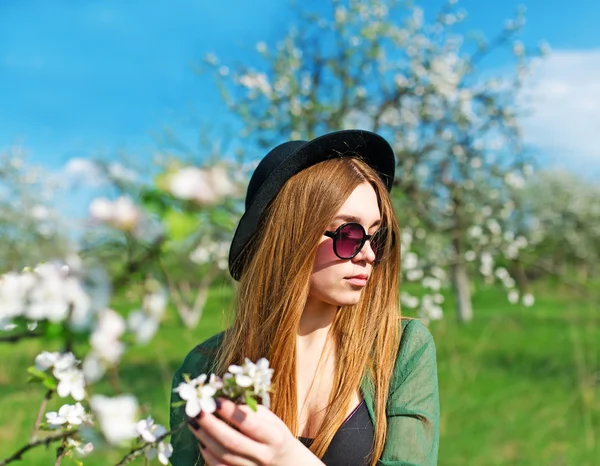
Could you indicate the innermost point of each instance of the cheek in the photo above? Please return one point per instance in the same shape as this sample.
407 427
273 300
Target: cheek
325 255
324 271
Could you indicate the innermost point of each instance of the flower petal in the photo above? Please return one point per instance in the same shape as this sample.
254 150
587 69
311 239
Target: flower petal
192 407
208 405
243 380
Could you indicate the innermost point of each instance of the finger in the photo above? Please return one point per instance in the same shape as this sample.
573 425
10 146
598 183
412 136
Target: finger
253 424
228 438
217 451
209 458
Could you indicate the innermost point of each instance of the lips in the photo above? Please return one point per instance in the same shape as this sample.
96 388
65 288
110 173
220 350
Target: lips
358 280
360 277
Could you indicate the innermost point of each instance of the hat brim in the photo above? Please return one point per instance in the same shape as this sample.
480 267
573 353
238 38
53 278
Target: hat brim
371 147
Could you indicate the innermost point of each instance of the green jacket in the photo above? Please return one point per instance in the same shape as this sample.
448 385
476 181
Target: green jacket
413 413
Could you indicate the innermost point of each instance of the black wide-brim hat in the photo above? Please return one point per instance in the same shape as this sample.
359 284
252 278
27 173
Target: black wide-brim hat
289 158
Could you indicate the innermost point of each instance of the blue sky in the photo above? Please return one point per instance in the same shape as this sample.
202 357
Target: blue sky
78 78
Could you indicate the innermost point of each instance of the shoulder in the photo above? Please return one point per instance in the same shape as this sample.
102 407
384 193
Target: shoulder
417 348
414 330
200 359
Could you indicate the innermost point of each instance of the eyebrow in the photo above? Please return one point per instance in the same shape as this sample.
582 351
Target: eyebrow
353 218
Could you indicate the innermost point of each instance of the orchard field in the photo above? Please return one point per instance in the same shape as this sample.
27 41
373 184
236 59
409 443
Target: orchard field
518 386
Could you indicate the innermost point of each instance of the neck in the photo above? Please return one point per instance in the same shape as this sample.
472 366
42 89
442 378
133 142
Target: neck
315 322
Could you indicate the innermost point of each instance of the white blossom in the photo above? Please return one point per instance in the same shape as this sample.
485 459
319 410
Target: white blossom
110 324
14 288
71 382
121 214
126 214
142 325
119 172
429 309
514 180
72 415
203 186
92 367
408 300
149 430
340 14
164 451
438 273
256 81
528 300
513 296
414 275
45 360
104 340
518 48
211 59
155 302
116 416
84 171
198 395
101 209
475 231
432 283
81 448
253 375
53 294
261 47
470 255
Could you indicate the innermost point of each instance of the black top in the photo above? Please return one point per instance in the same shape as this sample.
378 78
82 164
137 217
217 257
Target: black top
353 442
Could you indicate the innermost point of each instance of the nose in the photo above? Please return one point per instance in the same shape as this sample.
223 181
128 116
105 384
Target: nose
366 253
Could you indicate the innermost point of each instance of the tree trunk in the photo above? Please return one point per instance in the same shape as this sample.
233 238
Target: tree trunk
520 277
190 314
583 272
461 284
190 304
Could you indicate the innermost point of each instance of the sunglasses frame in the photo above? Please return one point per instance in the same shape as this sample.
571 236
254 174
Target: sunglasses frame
335 235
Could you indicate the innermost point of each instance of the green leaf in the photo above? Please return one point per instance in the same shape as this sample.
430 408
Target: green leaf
46 379
251 402
154 201
222 218
180 224
49 383
54 331
36 373
177 404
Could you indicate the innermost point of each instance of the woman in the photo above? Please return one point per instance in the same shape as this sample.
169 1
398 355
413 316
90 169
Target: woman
318 261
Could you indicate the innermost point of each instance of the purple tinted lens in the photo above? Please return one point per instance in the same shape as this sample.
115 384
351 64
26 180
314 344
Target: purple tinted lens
378 243
350 240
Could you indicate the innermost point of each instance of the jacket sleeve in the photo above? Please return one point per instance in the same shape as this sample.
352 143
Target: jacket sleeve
413 405
186 451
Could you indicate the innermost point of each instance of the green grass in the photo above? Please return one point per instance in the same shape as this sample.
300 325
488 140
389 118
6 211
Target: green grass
518 386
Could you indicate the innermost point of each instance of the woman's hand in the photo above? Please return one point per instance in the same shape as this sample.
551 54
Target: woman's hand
263 439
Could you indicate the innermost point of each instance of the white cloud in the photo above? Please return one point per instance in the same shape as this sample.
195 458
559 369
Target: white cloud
563 97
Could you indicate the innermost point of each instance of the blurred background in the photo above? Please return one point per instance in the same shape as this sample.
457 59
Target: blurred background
129 130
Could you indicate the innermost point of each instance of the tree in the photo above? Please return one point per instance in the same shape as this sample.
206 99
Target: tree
375 64
31 228
561 214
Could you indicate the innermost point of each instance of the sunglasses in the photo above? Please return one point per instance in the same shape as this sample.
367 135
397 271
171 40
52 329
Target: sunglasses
349 239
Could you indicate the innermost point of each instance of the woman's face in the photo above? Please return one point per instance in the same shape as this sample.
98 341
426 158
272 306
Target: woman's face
337 281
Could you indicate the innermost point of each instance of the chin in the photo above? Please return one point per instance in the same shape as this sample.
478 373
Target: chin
348 299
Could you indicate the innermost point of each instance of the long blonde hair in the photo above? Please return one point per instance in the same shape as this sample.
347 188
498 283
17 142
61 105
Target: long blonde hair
274 287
